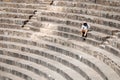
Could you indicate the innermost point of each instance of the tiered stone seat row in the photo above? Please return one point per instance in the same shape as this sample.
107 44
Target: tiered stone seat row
80 17
4 78
69 31
6 39
114 3
60 66
63 21
91 12
75 45
72 23
10 26
54 68
21 11
27 1
14 15
19 22
18 5
17 13
18 10
29 69
61 18
113 46
69 35
86 5
14 72
9 75
57 51
18 40
15 32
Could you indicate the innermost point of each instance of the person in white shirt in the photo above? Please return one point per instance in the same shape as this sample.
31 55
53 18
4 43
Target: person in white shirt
84 29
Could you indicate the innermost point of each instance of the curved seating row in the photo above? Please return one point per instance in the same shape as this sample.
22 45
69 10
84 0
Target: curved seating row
5 78
53 48
14 40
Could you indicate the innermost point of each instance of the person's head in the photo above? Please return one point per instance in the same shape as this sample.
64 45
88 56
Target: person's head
85 24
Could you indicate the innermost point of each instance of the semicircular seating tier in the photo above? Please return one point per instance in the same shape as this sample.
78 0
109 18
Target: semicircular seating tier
41 40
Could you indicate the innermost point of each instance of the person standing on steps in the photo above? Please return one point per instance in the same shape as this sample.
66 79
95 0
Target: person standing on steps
84 29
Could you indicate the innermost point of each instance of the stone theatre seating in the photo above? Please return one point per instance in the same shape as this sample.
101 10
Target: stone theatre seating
40 39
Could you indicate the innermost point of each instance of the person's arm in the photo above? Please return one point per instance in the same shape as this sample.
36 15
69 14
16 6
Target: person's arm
88 26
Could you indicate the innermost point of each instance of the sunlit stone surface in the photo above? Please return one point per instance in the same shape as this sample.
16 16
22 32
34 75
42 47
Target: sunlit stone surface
41 40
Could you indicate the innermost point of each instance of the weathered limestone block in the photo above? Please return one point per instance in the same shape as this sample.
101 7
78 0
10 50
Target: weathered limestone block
5 78
10 15
22 1
19 22
114 42
14 72
62 21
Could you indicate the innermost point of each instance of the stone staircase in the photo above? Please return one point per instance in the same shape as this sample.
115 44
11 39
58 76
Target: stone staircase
48 45
18 14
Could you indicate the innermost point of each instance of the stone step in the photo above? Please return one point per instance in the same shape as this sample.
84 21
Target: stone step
5 78
104 59
60 29
81 47
15 32
52 19
27 34
81 17
95 27
21 5
92 12
86 5
115 42
14 15
91 50
102 68
82 42
19 22
98 36
73 62
28 2
57 21
114 3
64 60
71 36
30 66
71 30
103 28
17 10
34 25
85 69
98 50
100 53
8 75
113 50
22 73
32 28
57 65
17 78
10 26
63 21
